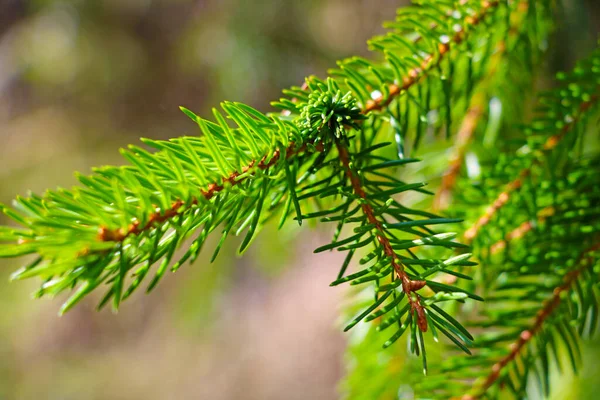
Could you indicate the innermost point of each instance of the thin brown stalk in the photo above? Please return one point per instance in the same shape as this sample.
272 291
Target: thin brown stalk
408 285
522 230
515 234
177 208
463 138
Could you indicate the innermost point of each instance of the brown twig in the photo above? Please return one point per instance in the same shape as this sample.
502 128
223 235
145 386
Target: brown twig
516 184
464 136
521 230
430 61
158 217
408 285
515 234
525 337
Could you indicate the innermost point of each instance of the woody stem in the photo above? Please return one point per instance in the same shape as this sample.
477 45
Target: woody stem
408 285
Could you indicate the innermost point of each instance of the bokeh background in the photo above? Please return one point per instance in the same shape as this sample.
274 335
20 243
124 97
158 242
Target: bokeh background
81 78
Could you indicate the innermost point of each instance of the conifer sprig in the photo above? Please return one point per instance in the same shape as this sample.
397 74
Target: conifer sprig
550 272
329 155
123 220
545 263
483 93
585 99
139 214
585 262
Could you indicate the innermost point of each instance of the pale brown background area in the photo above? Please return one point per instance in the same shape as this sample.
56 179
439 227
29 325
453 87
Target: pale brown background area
78 80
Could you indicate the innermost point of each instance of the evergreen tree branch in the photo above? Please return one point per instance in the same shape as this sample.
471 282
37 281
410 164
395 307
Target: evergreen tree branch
585 262
478 104
431 61
409 286
553 141
550 277
139 214
324 157
550 267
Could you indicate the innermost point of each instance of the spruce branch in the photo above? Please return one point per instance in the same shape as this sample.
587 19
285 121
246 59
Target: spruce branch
148 209
409 286
479 101
549 271
431 61
552 276
587 103
328 154
585 262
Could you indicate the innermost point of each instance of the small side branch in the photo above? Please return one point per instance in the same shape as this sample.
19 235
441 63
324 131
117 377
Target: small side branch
431 61
179 207
584 261
516 184
408 285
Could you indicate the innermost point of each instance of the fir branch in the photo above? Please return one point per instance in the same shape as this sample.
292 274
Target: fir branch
409 286
517 183
146 210
413 76
550 277
179 206
566 234
323 157
585 262
431 61
516 35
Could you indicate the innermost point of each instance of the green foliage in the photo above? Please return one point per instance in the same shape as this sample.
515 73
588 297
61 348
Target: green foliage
541 254
333 152
532 217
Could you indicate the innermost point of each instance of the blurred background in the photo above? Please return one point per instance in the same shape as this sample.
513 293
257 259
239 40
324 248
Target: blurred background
78 80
